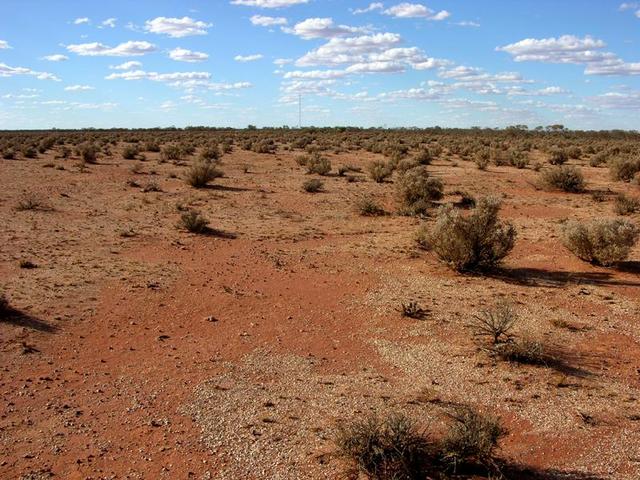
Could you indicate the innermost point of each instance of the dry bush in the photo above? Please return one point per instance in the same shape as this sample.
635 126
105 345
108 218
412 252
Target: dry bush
88 152
558 156
201 173
602 242
518 159
624 168
193 221
129 152
312 186
28 151
5 307
8 154
474 242
626 205
527 351
30 201
368 207
481 159
318 164
171 153
564 177
473 439
423 157
151 146
209 153
417 190
496 323
379 170
389 448
412 310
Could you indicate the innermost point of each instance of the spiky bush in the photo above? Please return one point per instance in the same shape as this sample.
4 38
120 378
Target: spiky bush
417 190
383 448
601 242
379 170
563 177
474 242
201 173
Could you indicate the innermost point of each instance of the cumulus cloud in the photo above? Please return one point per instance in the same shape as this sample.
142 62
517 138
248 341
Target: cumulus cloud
264 21
570 49
55 58
338 51
176 27
78 88
268 3
81 21
415 10
618 100
4 44
127 49
159 77
109 22
248 58
184 55
322 28
126 65
315 74
8 71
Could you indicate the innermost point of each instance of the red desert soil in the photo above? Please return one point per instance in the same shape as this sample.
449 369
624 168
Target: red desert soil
148 352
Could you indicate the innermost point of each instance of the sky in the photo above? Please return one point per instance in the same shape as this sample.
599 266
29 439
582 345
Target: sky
230 63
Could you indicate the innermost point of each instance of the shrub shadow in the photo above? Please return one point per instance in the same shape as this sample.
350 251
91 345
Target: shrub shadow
536 277
17 318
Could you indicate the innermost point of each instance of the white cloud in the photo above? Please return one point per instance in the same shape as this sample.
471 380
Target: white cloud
126 65
264 21
618 100
176 27
268 3
81 21
543 92
159 77
56 58
570 49
415 10
372 7
315 74
248 58
467 23
7 71
78 88
4 44
109 22
184 55
321 28
340 51
282 61
127 49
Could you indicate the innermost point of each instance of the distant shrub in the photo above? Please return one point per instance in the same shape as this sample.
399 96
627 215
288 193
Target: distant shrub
423 157
473 438
8 154
129 152
626 205
481 159
318 164
602 242
151 147
383 448
417 190
598 159
302 160
474 242
88 152
193 221
368 207
379 170
264 146
518 159
201 173
312 186
624 168
565 178
558 156
171 153
29 152
210 153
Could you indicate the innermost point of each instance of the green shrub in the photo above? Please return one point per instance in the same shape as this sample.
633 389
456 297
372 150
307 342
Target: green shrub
368 207
417 190
474 242
565 177
602 242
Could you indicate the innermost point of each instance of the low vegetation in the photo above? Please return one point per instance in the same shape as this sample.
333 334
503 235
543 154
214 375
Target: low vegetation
417 191
601 242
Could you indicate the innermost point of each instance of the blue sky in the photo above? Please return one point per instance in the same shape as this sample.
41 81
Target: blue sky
454 63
